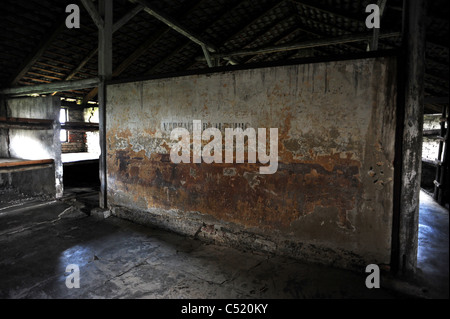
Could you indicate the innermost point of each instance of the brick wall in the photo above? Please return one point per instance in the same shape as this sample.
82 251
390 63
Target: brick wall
430 147
76 140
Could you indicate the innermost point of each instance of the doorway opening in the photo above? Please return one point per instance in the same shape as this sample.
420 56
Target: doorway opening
433 231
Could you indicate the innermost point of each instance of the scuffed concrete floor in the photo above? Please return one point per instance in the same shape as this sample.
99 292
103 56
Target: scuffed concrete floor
433 252
119 259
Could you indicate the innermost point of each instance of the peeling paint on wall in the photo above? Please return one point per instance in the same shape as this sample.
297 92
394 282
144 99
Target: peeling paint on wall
336 125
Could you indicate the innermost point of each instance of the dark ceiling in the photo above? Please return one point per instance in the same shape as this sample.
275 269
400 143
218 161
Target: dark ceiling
37 48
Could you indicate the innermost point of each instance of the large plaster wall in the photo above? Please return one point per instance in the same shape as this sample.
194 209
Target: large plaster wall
331 197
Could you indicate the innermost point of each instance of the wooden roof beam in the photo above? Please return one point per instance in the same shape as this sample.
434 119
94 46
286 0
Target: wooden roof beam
135 55
128 61
51 87
173 24
127 17
304 45
373 45
93 12
35 55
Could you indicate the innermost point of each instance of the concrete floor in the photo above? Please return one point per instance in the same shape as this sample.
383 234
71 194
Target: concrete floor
119 259
433 252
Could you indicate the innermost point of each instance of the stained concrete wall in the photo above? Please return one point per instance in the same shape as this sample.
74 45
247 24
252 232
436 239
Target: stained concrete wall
330 200
37 144
39 181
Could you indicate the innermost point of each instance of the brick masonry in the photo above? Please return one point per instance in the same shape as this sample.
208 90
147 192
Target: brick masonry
76 140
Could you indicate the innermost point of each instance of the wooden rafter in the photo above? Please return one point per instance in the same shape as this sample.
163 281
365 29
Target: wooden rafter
127 17
174 24
306 44
35 55
93 12
129 60
158 35
80 66
253 21
185 44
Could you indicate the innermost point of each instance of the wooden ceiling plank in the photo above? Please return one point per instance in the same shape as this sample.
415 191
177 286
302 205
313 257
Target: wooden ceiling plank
32 58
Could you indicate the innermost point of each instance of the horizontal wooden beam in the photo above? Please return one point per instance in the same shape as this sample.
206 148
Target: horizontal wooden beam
25 123
80 126
304 45
19 162
80 66
431 132
15 169
59 86
437 100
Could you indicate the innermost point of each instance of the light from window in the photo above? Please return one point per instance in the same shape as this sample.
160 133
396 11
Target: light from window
63 119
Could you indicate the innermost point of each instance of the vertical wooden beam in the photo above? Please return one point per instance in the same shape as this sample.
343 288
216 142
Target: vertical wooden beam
207 56
105 9
373 45
441 185
445 178
4 133
411 151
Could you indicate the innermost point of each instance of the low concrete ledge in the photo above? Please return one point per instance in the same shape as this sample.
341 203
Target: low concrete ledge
209 229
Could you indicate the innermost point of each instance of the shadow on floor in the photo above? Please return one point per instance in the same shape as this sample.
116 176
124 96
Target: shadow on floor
433 249
119 259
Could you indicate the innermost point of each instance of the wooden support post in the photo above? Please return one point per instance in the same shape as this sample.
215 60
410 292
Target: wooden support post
105 73
373 45
445 178
4 133
441 184
406 239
